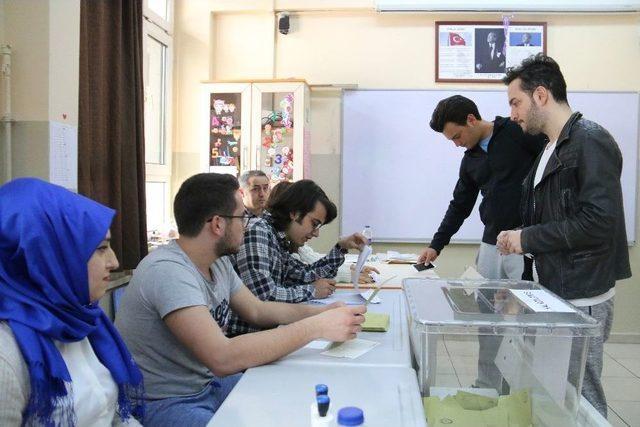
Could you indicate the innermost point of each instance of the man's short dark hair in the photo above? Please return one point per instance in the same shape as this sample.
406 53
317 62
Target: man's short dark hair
300 199
202 196
539 70
454 109
244 178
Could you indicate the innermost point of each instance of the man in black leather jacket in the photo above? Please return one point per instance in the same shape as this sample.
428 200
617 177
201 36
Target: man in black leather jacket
572 205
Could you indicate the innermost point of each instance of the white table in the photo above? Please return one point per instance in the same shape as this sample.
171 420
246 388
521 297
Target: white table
279 395
379 382
394 348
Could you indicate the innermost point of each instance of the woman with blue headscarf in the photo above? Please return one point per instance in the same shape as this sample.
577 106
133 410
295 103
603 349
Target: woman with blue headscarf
62 362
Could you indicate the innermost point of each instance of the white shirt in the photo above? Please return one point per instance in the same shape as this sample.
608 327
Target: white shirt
580 302
95 393
546 155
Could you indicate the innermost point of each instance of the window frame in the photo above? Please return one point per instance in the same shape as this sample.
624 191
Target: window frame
161 172
151 16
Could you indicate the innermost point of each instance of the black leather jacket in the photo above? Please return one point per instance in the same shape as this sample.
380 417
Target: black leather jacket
574 218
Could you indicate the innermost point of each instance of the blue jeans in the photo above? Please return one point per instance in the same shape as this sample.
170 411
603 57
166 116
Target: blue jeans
190 411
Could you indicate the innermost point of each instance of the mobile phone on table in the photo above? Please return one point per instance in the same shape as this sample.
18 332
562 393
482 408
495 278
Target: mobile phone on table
422 267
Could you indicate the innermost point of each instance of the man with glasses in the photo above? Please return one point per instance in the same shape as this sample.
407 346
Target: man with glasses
176 309
264 261
254 186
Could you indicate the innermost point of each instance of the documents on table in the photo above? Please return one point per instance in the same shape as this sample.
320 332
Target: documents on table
318 345
371 295
351 349
349 298
394 257
376 322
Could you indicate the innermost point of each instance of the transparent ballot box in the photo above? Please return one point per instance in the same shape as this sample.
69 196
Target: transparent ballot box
497 352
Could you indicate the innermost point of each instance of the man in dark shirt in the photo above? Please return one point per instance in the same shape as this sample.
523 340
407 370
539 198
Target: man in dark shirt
498 156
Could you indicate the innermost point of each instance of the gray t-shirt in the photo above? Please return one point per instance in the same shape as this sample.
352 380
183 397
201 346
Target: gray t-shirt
167 280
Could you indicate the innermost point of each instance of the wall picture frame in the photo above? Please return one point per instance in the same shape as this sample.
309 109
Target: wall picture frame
482 51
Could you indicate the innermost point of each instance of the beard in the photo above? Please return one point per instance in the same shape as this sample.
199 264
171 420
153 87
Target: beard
226 246
535 120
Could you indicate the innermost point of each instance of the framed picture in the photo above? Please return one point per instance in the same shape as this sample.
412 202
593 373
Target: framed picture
480 52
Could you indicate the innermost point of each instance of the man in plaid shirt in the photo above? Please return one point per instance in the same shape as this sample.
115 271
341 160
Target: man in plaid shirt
264 261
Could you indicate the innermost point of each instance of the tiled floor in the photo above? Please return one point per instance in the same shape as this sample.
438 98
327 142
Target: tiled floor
621 376
621 380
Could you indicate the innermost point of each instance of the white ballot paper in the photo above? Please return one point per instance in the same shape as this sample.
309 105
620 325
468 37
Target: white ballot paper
318 344
471 274
349 298
351 349
375 300
355 273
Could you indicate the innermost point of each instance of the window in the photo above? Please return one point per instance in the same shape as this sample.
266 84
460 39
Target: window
160 13
157 195
157 68
155 100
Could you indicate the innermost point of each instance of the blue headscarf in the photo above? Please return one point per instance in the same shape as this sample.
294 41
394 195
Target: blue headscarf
47 236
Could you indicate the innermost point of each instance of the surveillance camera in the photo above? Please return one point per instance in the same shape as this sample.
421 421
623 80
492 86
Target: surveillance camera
283 23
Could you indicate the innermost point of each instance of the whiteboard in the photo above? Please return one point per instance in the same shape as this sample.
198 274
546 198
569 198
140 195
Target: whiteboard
398 174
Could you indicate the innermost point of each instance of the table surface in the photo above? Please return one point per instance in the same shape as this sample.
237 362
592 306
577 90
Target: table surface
279 395
394 348
381 382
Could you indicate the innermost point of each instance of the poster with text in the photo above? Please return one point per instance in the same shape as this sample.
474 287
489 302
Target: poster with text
481 52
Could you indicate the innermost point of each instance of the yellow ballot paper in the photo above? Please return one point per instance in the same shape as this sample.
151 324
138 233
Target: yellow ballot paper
375 322
472 410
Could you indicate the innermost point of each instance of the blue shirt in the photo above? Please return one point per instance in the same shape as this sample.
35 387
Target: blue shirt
484 143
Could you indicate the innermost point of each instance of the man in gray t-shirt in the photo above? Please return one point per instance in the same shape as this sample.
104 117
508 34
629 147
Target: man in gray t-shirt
174 312
165 281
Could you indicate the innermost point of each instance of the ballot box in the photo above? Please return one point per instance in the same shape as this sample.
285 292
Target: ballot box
497 352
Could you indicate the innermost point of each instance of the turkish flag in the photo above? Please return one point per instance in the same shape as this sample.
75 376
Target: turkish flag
456 40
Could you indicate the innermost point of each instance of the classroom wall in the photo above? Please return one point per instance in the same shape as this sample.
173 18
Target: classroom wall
44 76
355 45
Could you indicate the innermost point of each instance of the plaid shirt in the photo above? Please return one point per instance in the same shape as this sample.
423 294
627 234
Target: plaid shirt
266 266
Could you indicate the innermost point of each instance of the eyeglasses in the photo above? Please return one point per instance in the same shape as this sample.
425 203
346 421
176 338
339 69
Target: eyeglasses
245 218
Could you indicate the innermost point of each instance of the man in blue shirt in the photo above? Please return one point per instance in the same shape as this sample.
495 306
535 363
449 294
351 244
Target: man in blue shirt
497 158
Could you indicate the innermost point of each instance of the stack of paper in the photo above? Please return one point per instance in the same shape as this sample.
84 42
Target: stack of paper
394 257
473 410
375 322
